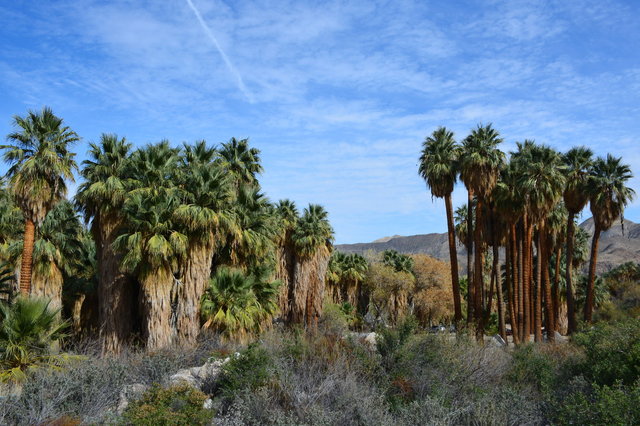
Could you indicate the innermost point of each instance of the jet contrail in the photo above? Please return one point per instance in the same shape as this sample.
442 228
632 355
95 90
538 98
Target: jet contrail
214 40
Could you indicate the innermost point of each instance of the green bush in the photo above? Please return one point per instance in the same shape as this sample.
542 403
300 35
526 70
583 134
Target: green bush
601 405
612 352
248 371
176 405
531 366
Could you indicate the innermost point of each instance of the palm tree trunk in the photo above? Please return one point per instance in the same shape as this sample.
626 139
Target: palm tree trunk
588 305
156 308
470 283
549 312
116 291
571 310
195 277
526 278
285 273
517 275
47 284
27 256
511 287
556 289
477 271
498 284
537 291
453 257
308 291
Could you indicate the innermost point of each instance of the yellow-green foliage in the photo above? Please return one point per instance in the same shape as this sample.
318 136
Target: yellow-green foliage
176 405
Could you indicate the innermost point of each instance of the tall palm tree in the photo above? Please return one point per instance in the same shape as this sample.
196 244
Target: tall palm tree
480 163
241 161
152 244
151 248
313 239
542 181
288 215
101 197
557 227
205 216
40 163
578 162
510 205
608 197
437 167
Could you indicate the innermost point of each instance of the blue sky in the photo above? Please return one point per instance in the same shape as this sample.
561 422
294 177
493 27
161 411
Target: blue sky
337 95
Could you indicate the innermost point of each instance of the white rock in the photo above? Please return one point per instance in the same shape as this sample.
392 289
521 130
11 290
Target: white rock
208 404
128 393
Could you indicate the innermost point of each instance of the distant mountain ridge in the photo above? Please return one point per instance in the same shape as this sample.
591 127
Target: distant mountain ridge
614 247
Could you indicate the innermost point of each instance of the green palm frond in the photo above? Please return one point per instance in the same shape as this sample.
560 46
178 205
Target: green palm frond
608 190
438 163
40 161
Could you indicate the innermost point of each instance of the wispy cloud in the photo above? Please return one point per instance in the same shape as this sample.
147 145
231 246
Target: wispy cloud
224 56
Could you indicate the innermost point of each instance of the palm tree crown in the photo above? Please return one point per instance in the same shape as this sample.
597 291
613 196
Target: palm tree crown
105 185
40 161
481 160
608 190
314 231
438 162
578 162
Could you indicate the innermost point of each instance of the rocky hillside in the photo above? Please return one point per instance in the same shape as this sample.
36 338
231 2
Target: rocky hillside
614 249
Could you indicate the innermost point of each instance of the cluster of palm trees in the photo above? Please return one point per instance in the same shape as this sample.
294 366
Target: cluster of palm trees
526 205
163 221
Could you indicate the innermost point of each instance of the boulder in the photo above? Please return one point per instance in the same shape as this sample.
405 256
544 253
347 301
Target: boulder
128 393
197 376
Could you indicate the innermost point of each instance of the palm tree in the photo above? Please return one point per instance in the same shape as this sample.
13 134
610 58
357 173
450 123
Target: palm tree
312 239
480 163
399 262
151 244
608 197
287 214
151 247
578 162
438 168
510 206
205 216
542 181
101 197
353 272
242 162
40 162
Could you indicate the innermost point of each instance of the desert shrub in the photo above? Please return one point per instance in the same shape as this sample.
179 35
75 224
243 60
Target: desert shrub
250 370
390 340
612 352
531 366
600 405
87 389
334 320
176 405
